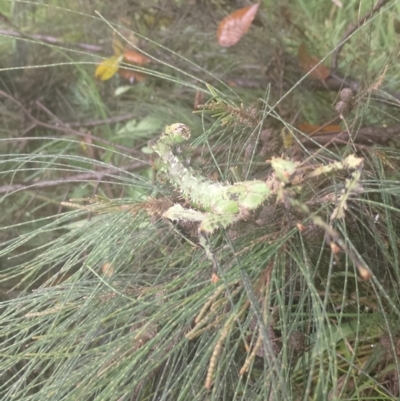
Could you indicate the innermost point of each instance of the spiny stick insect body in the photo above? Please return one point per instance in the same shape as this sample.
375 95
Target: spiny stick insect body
218 205
222 204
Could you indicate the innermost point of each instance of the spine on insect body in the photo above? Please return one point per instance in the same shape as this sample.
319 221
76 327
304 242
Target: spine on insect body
213 196
197 188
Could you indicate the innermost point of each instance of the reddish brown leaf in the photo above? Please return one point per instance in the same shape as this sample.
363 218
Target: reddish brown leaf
131 76
317 129
134 57
198 99
308 62
232 28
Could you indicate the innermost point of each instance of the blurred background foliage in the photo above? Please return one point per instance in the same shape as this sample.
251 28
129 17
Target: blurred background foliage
116 305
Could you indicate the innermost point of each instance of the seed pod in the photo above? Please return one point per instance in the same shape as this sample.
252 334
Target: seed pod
342 107
346 95
345 103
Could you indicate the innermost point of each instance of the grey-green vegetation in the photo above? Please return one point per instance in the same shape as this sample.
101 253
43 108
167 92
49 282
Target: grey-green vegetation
256 261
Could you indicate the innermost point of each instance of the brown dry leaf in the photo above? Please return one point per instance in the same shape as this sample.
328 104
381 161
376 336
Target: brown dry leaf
300 227
198 99
125 33
134 57
307 63
365 273
396 24
334 248
117 45
232 28
107 68
131 76
317 129
107 269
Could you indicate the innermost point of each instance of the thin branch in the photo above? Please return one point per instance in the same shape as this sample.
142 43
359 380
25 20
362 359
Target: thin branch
352 28
93 123
96 175
365 136
64 128
53 40
337 82
47 111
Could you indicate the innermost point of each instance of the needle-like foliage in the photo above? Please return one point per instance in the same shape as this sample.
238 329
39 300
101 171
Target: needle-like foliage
114 288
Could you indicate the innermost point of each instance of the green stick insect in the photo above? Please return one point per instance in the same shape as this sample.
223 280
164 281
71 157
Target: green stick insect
218 205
